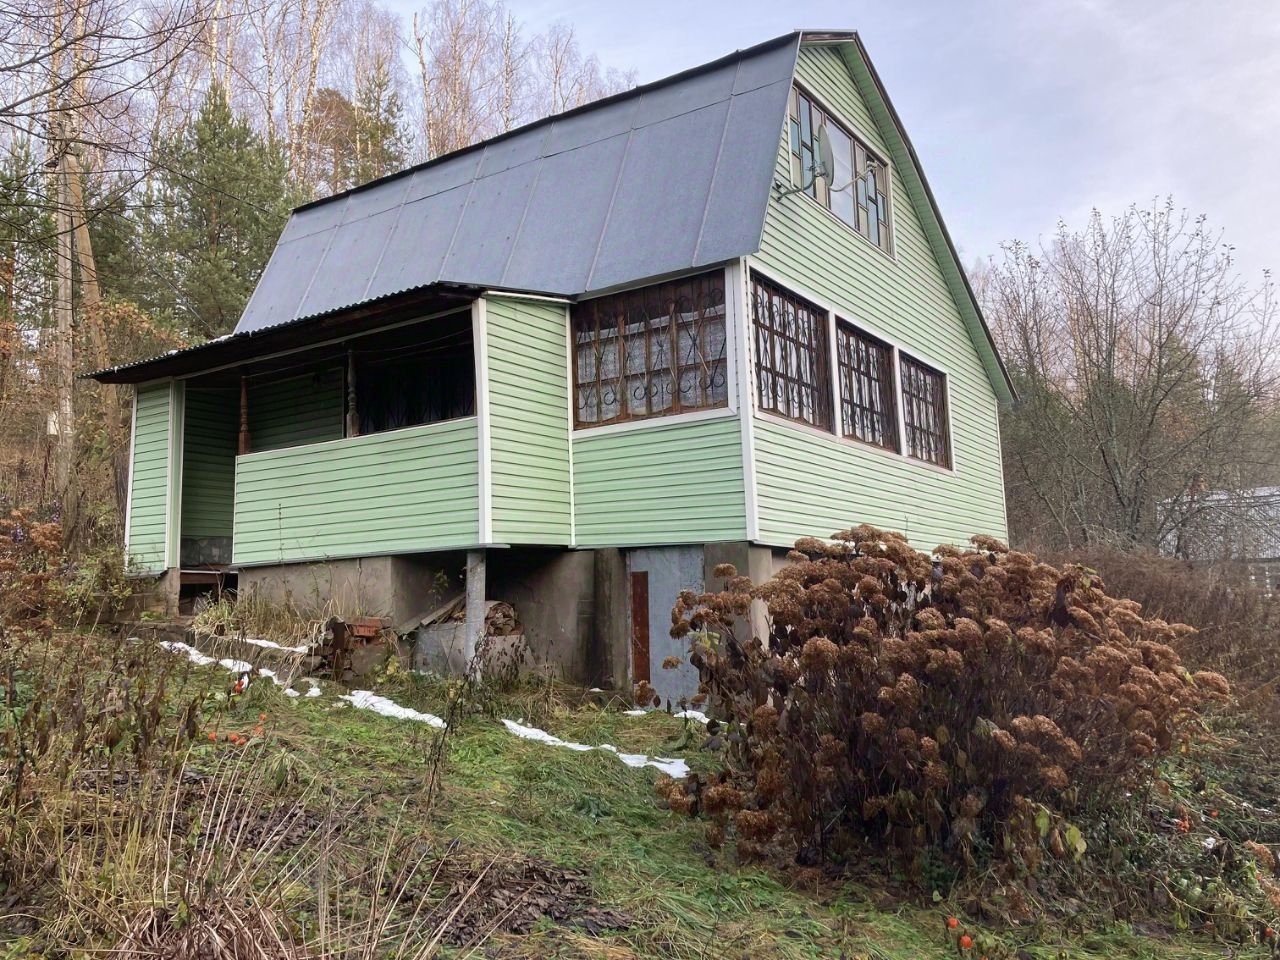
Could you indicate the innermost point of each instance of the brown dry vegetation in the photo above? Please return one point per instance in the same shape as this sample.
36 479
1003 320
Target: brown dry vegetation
979 716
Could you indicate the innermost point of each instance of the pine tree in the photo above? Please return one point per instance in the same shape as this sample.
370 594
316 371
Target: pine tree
223 196
381 144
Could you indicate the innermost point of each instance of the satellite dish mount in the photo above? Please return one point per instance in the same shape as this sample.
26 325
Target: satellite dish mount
824 166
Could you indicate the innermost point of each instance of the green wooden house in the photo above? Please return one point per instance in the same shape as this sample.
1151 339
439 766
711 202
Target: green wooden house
579 364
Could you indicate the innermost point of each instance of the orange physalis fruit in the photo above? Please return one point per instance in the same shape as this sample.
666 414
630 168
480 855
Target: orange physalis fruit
952 923
213 737
1269 933
966 942
1214 814
262 718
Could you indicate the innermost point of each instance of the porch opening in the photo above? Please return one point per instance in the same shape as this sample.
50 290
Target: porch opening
412 375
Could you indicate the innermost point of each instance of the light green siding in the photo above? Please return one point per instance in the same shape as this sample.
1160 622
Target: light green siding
808 484
529 421
149 482
401 491
303 409
660 483
210 425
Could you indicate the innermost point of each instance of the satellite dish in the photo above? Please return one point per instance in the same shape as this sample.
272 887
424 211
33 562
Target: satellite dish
824 165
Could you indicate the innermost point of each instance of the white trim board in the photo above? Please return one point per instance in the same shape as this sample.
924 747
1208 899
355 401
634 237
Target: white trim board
480 341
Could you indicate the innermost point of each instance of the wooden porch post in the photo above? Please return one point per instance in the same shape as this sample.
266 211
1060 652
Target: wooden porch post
244 414
353 414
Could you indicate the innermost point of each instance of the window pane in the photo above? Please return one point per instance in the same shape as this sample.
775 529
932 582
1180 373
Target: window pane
649 352
867 406
924 410
791 355
842 187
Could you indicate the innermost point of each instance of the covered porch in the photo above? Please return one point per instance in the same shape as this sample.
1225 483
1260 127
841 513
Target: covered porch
347 435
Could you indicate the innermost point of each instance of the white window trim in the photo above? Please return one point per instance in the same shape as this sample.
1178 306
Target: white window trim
855 131
851 317
736 293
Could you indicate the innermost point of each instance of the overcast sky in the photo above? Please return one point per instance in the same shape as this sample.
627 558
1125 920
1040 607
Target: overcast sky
1026 112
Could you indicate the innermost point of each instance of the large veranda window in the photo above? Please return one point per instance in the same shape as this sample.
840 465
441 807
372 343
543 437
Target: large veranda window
792 366
651 352
857 190
868 405
924 412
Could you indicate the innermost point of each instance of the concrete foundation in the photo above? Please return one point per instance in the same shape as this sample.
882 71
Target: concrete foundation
394 587
574 605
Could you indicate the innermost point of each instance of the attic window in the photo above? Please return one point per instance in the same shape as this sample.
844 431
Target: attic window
857 190
651 352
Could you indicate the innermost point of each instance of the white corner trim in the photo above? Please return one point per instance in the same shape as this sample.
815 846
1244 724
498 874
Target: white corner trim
571 394
480 341
128 490
740 316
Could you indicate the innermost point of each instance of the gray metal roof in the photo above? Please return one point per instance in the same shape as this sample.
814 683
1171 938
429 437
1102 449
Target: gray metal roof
667 177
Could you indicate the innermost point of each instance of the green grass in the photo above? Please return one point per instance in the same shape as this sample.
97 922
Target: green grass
503 797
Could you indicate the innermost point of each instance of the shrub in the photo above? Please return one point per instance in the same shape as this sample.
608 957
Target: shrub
957 706
1235 621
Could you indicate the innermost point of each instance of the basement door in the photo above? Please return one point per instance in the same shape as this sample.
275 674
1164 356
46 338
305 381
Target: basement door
657 575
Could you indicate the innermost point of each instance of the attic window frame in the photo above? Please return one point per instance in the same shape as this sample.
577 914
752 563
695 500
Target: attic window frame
819 191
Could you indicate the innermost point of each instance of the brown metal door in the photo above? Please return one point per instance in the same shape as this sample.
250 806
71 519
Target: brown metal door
639 625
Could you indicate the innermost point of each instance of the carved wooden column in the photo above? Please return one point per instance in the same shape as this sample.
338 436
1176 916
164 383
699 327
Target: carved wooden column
244 414
353 414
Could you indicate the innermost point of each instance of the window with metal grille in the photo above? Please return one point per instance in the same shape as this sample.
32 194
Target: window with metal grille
868 408
651 352
924 413
857 190
792 366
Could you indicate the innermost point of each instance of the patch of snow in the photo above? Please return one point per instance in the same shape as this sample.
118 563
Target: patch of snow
1209 843
236 666
634 713
200 660
272 645
672 768
692 715
191 653
594 690
368 700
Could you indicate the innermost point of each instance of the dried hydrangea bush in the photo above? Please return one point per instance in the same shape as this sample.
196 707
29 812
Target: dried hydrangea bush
964 704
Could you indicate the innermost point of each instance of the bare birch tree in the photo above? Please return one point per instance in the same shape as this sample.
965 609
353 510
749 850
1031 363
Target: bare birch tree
1148 375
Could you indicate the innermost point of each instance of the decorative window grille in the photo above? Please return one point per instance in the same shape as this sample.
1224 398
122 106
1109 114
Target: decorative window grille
792 366
924 409
868 408
857 190
651 352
